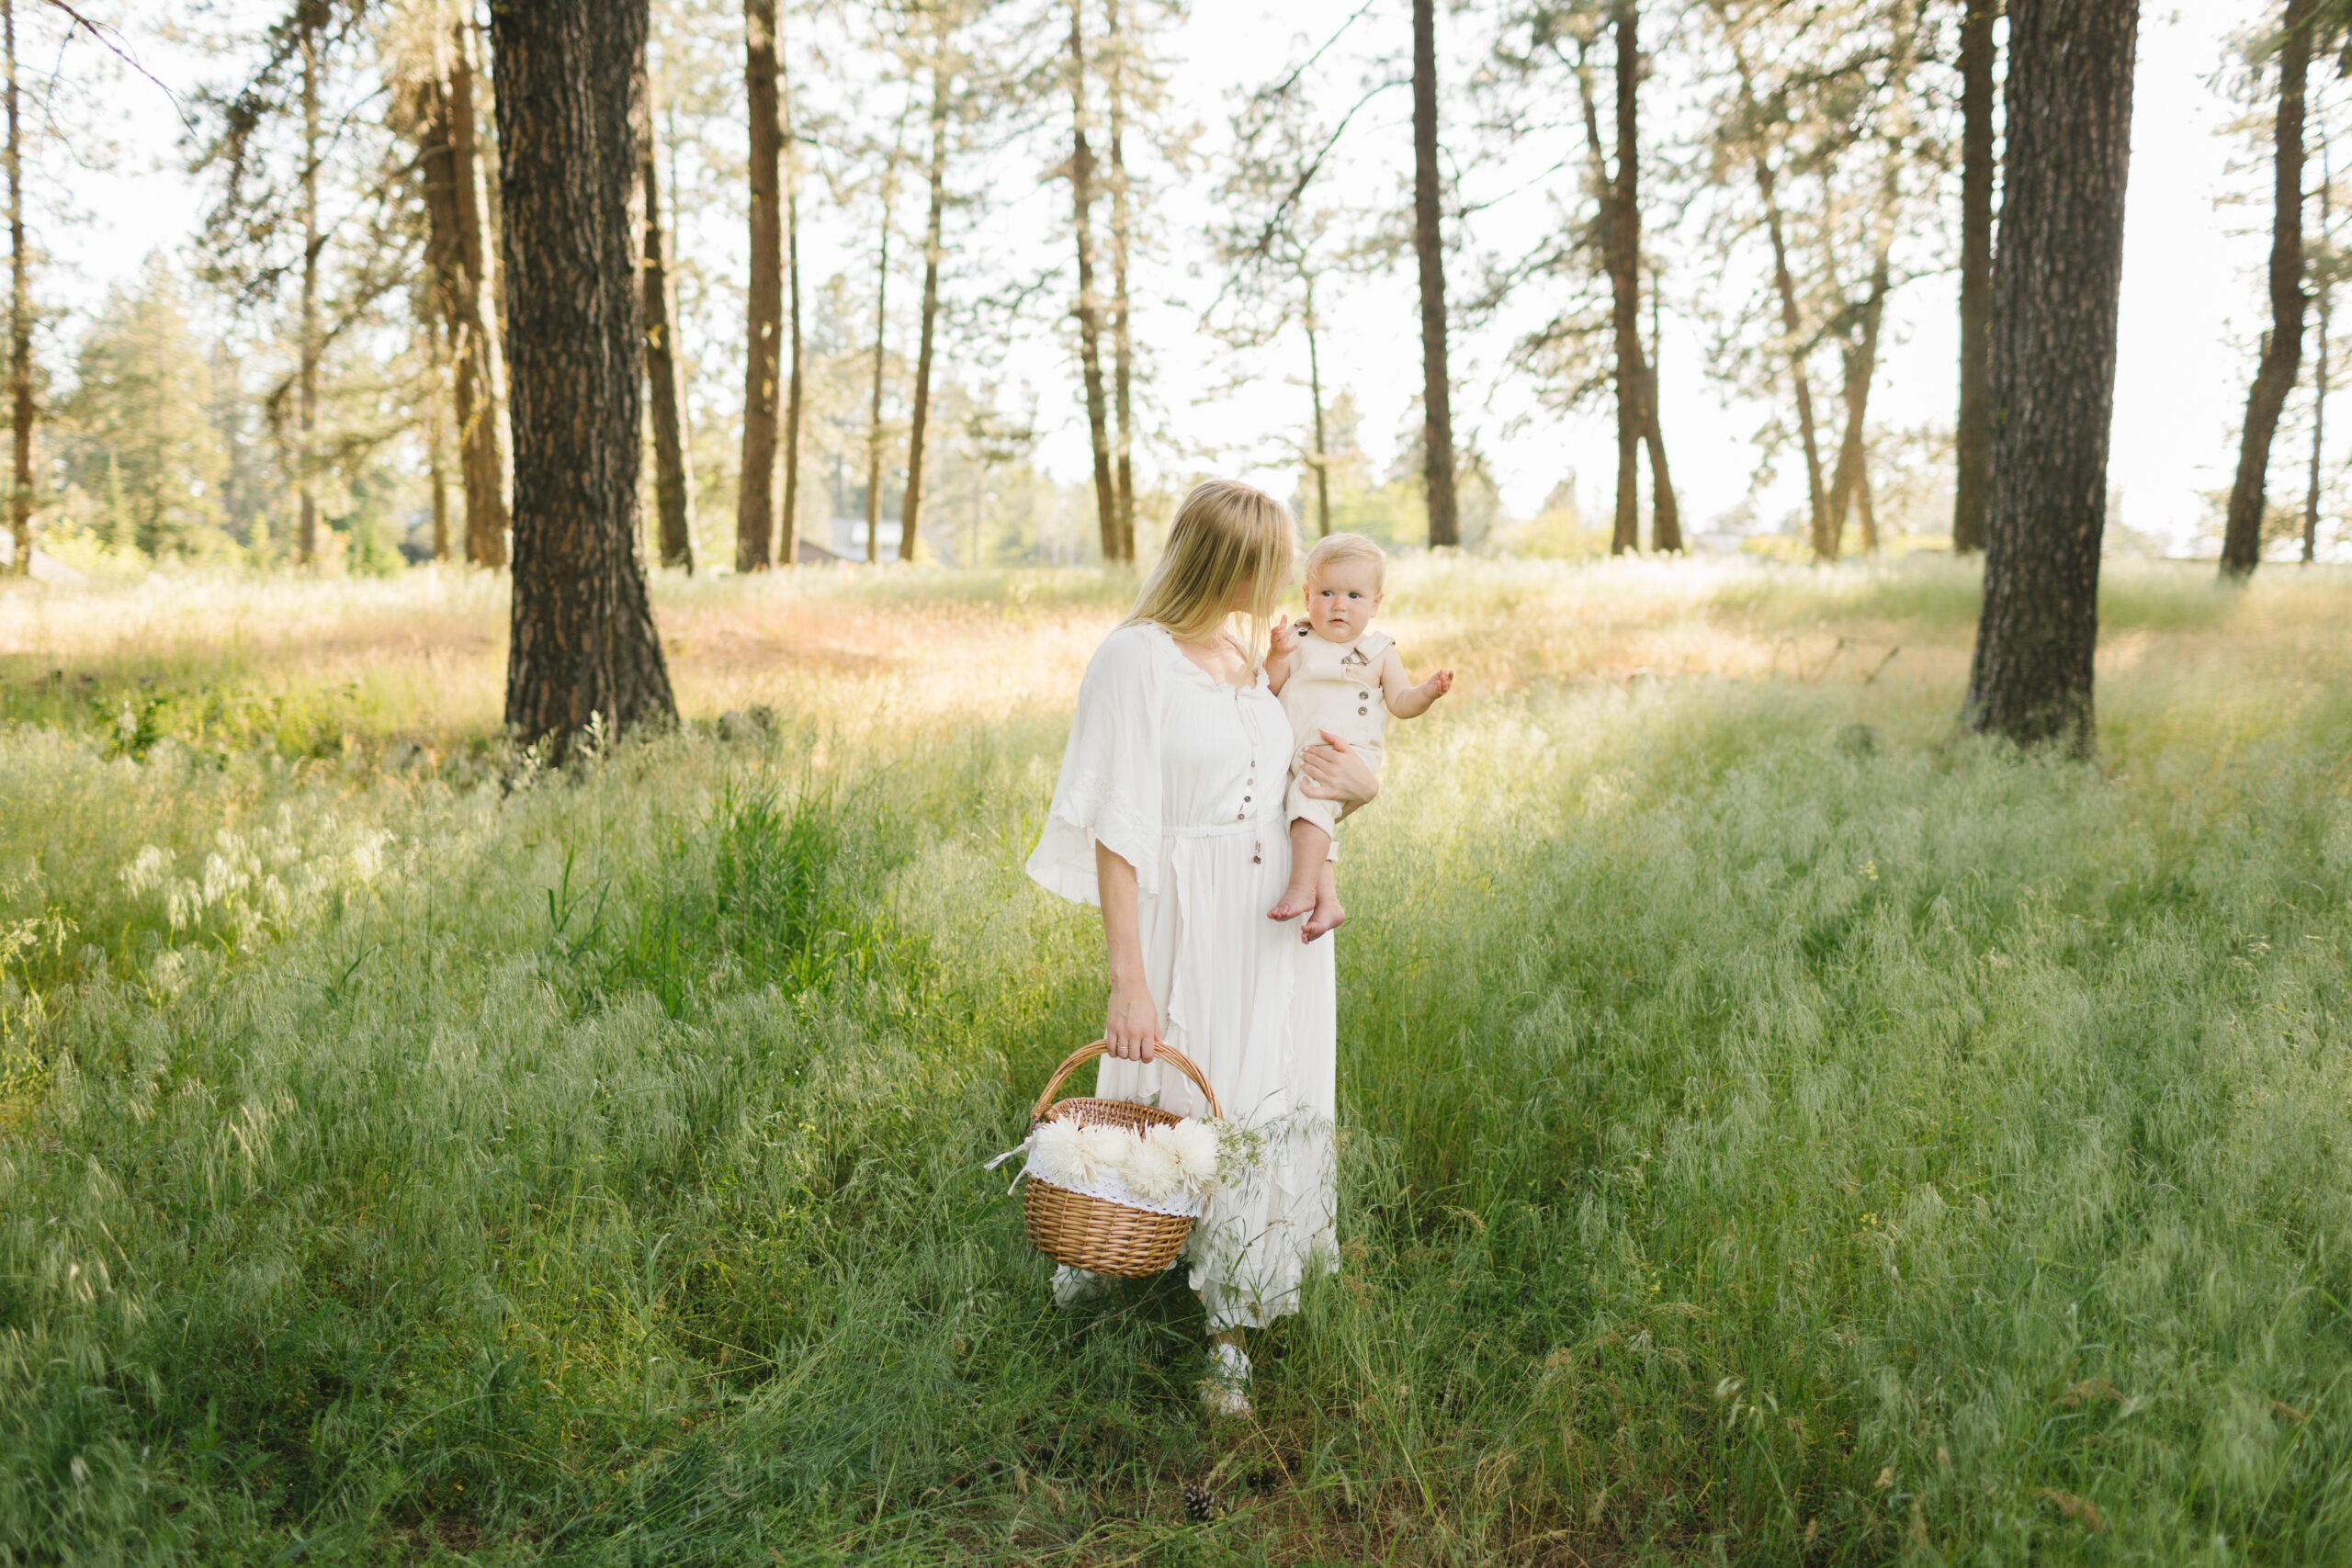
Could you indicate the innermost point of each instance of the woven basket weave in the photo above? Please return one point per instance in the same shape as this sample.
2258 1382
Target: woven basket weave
1095 1234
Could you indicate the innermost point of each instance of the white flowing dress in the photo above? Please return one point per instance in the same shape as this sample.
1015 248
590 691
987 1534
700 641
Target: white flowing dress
1182 776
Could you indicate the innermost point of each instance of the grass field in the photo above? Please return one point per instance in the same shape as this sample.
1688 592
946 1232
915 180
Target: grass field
1774 1130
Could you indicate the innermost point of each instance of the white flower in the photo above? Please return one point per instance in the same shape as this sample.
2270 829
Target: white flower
1106 1147
1054 1155
1194 1142
1158 1165
1070 1155
1154 1170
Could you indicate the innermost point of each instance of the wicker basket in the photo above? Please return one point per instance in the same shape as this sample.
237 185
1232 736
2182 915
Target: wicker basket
1095 1234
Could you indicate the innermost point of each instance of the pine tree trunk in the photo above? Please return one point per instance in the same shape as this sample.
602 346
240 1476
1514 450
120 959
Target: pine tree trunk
570 117
474 349
2320 371
20 325
671 497
1428 245
1972 482
1321 461
874 412
437 439
1090 319
1850 490
2057 277
2282 351
1665 515
789 539
1666 512
306 394
764 307
910 513
1792 329
1122 348
1860 364
1624 285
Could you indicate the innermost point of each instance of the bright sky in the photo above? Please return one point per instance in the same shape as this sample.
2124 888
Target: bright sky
2192 287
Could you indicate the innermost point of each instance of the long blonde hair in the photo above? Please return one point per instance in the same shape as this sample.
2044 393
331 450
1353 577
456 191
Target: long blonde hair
1225 534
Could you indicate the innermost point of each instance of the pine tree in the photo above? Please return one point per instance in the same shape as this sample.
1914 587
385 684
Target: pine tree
2057 282
138 431
570 120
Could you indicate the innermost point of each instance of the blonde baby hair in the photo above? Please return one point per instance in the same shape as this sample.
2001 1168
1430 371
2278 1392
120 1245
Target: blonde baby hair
1332 548
1225 534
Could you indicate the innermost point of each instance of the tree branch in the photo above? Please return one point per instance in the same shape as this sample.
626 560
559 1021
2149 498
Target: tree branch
99 33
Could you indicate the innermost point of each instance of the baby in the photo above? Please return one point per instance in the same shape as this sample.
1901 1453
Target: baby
1325 668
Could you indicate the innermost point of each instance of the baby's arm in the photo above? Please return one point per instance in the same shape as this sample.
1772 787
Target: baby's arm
1286 643
1406 700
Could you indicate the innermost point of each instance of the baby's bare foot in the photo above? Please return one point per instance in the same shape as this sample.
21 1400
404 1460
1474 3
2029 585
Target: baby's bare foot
1296 901
1327 918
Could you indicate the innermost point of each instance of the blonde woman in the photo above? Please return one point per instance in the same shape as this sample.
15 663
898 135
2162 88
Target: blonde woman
1168 815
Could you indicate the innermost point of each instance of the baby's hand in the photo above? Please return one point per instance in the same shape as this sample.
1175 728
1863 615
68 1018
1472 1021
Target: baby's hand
1438 684
1285 638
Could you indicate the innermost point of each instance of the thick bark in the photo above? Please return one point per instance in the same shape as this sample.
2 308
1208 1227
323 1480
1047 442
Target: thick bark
670 498
1972 482
20 326
1429 246
570 117
874 412
306 375
1090 315
2057 276
763 308
910 513
1321 461
2282 350
1122 348
788 540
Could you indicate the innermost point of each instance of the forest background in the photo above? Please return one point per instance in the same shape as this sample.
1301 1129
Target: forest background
497 1060
118 195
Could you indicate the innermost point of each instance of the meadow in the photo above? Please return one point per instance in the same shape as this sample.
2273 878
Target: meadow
1775 1128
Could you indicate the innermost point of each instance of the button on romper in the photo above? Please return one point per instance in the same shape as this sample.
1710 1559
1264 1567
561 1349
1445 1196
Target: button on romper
1333 686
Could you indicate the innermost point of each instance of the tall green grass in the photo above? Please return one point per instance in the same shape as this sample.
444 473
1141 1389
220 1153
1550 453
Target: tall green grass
1764 1139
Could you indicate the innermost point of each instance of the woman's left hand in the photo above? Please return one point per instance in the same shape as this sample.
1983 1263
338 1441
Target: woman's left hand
1334 772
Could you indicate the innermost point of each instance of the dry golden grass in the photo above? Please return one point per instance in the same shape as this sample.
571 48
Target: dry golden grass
424 655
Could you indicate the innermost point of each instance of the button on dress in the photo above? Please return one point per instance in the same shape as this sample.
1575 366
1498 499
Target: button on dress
1163 768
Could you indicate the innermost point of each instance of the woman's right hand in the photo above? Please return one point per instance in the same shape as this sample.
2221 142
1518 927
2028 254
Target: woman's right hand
1131 1027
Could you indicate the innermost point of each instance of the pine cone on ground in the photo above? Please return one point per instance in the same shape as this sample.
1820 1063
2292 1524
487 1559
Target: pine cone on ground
1200 1503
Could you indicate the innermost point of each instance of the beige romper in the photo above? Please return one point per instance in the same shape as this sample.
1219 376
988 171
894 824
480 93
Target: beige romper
1333 686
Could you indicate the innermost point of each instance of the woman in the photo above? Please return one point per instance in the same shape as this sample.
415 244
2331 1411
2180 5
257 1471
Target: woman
1169 814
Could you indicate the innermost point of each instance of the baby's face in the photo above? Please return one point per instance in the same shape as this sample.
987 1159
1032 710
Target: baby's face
1342 598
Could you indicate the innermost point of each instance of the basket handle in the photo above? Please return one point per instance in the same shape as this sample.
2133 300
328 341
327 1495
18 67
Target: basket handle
1086 1054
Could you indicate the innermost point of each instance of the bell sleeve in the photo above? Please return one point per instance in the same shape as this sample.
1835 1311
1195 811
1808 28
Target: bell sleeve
1109 792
